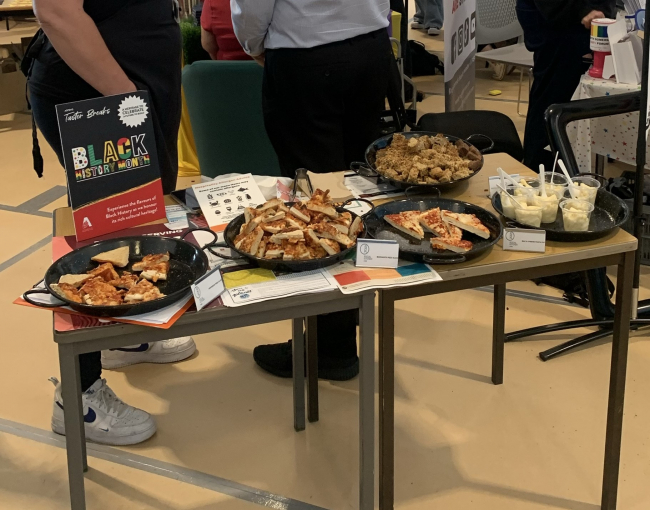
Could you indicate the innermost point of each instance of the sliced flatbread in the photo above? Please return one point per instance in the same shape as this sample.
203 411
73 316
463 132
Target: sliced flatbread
407 222
119 257
431 221
126 281
99 293
273 216
328 231
271 204
156 272
468 222
251 242
274 226
292 235
330 246
320 202
300 212
76 280
356 228
273 251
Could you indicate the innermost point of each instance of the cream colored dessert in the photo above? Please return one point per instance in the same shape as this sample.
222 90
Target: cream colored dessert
557 189
575 220
549 205
507 205
584 192
529 215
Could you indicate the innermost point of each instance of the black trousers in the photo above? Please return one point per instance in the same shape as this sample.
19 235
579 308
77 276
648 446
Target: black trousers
558 66
321 111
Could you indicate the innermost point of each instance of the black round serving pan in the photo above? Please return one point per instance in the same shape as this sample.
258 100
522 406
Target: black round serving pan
610 212
234 227
186 265
422 251
370 167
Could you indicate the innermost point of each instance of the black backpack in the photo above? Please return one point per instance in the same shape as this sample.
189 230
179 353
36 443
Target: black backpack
424 63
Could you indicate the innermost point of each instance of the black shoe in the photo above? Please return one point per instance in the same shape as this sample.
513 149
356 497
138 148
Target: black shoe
277 359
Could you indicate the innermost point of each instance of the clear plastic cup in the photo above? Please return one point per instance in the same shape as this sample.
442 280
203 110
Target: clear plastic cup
549 205
524 194
576 214
529 185
507 199
530 215
557 186
585 188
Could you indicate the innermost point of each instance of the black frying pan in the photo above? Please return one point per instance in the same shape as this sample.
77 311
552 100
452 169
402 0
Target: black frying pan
610 212
422 251
370 168
187 264
234 227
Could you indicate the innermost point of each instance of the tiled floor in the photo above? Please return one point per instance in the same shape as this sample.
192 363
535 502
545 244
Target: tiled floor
461 443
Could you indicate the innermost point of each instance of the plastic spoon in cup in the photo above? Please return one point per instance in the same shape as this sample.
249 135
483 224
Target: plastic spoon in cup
512 199
554 166
568 177
507 176
503 181
542 180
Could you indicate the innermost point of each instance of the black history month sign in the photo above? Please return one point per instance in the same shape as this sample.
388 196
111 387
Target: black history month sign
111 163
460 52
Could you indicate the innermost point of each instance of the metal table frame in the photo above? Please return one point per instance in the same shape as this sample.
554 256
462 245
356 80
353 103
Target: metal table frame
72 344
387 298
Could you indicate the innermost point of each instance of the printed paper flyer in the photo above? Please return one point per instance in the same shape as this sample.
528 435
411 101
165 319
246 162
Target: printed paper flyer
222 200
111 163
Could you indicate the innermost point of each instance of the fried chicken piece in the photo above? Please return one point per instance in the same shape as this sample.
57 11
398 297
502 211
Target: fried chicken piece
98 292
143 291
105 271
67 291
126 281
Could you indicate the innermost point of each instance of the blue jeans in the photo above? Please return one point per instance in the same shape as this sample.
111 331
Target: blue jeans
430 13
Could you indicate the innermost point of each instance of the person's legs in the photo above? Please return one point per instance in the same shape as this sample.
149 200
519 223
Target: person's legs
434 16
558 66
322 109
418 17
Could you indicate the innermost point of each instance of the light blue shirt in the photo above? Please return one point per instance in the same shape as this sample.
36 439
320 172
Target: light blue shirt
271 24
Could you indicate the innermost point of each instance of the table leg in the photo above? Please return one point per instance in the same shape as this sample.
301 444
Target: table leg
367 404
312 370
298 375
617 381
498 332
74 425
386 401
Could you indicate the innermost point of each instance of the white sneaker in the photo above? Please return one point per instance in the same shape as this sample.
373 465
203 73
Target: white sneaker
165 351
433 31
107 420
418 25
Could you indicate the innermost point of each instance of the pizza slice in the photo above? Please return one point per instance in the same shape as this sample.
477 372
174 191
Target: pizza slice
468 222
455 245
407 222
431 221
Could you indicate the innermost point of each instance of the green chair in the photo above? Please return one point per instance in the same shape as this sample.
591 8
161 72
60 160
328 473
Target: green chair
224 100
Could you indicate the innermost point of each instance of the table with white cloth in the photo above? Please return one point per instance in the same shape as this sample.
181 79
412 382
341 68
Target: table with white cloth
613 137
